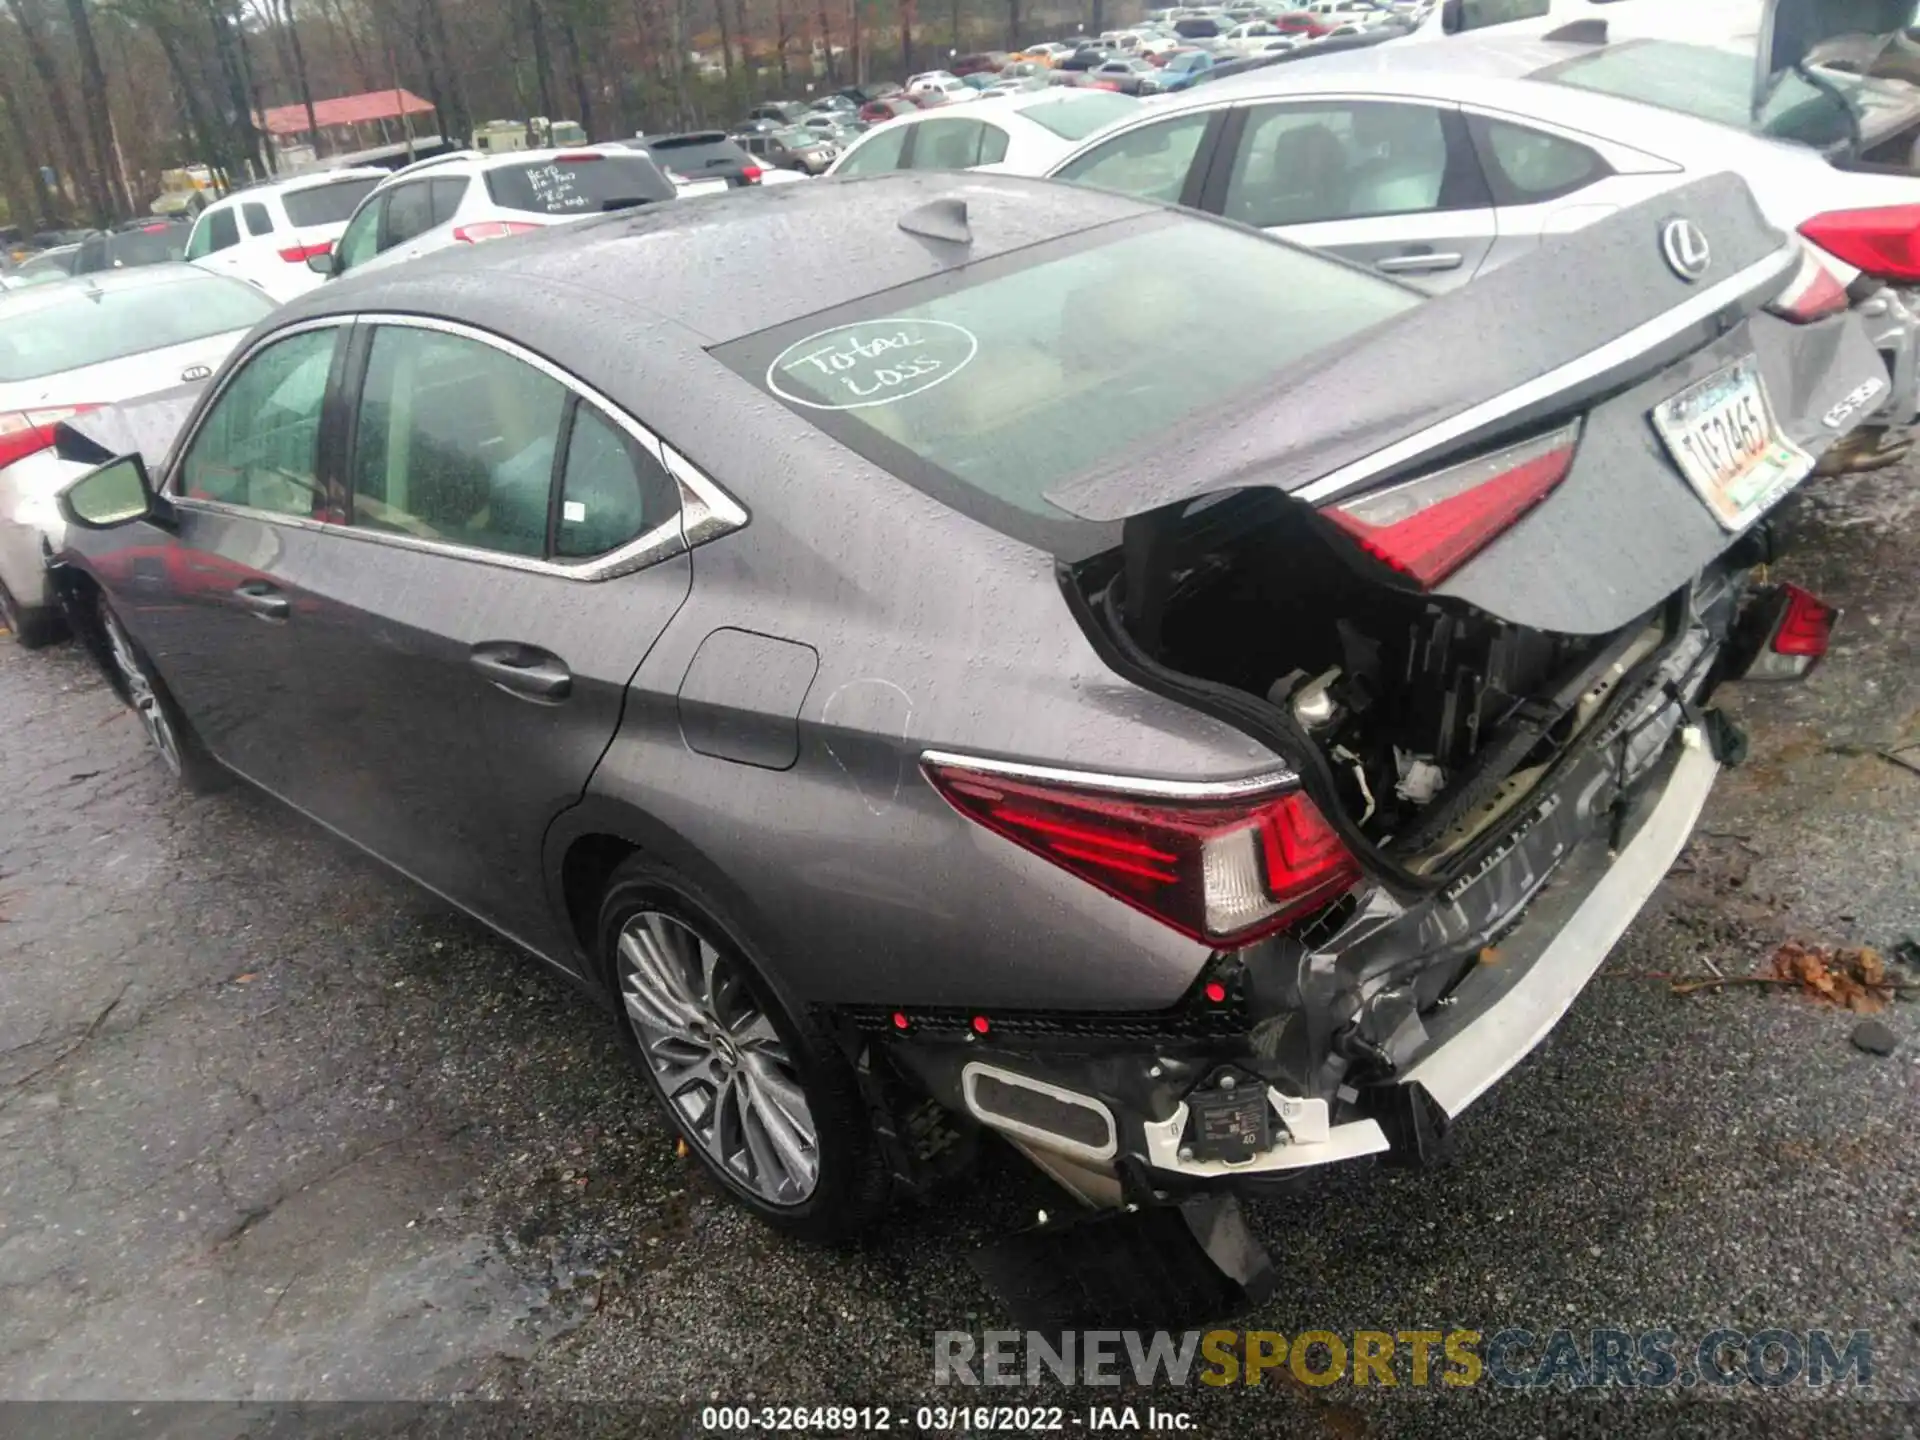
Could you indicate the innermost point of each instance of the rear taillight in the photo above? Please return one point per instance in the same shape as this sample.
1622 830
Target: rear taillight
1428 528
300 254
1794 627
751 174
492 230
1813 293
1883 241
25 432
1223 873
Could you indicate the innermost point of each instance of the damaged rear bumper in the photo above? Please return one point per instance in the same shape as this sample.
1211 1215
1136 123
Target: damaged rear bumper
1499 1013
1108 1116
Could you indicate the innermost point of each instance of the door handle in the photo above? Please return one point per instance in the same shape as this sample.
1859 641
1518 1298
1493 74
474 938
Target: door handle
1420 264
263 599
522 669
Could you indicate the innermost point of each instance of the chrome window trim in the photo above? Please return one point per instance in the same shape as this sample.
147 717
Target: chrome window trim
1598 361
706 510
1237 788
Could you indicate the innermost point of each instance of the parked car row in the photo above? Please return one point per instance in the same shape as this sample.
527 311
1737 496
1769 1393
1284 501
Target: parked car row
1115 733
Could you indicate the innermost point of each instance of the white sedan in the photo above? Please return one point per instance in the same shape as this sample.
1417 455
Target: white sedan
77 346
1022 133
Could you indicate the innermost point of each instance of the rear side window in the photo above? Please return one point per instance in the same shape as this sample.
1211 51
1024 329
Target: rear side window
878 154
409 214
1527 167
578 185
326 204
947 144
611 490
455 442
1149 162
215 231
448 192
1299 164
989 387
257 447
258 221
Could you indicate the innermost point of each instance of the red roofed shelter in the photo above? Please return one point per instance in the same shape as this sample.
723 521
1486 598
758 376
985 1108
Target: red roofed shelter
346 113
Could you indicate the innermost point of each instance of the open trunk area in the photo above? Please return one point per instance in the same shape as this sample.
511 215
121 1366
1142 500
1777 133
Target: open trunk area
1434 719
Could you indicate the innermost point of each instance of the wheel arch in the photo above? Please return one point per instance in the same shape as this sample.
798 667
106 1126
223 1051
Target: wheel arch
588 843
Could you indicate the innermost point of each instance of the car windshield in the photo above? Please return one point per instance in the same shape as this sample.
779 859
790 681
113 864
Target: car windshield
327 204
1716 84
82 324
1192 60
1057 359
577 184
1074 117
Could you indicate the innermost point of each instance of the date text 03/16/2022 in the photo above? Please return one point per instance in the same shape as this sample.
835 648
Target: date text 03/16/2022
943 1419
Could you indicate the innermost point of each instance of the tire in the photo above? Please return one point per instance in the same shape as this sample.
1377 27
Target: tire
701 1019
173 739
32 628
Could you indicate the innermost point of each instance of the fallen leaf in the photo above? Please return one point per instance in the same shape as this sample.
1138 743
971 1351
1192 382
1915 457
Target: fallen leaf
680 1148
1853 977
250 976
1489 955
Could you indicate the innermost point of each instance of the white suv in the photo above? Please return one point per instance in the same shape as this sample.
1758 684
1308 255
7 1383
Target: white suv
266 234
467 197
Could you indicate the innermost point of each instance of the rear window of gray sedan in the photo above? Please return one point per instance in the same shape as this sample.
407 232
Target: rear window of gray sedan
989 385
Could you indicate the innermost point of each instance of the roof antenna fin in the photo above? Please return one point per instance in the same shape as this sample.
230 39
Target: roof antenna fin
944 219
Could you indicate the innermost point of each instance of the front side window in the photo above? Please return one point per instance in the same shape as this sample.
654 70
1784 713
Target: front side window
877 154
361 241
1299 164
455 442
1149 162
258 445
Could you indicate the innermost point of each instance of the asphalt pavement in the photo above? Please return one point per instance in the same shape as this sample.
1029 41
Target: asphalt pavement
276 1126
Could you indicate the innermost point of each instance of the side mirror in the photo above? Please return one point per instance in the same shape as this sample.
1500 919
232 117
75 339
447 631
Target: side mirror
322 264
113 494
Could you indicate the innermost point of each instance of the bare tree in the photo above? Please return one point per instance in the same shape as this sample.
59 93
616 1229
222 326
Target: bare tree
59 111
93 96
299 69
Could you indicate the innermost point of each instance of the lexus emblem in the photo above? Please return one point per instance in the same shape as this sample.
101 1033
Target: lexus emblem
196 372
1686 249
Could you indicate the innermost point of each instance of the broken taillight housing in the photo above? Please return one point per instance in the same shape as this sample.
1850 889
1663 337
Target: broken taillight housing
26 432
1429 527
1796 627
1813 293
1883 241
1221 872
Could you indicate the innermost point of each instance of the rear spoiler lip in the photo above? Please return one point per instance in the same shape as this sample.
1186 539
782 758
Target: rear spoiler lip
1616 353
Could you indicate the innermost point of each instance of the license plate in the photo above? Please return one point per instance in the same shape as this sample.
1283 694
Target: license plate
1721 433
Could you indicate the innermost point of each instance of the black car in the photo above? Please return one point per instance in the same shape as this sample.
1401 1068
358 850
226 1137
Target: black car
699 155
780 112
153 242
1087 57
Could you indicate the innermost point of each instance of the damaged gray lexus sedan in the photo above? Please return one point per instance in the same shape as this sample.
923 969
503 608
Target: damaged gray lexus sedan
720 603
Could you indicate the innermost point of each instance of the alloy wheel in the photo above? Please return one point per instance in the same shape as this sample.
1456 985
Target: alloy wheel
717 1057
140 691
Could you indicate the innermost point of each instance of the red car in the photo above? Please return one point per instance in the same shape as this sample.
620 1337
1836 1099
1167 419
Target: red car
1302 22
887 107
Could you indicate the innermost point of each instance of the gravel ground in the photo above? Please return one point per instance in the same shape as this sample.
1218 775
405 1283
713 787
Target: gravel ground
275 1126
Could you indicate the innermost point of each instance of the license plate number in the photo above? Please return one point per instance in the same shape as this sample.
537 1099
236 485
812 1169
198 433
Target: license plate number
1721 433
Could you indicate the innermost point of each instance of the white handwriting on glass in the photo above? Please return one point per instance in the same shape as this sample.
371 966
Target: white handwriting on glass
836 360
